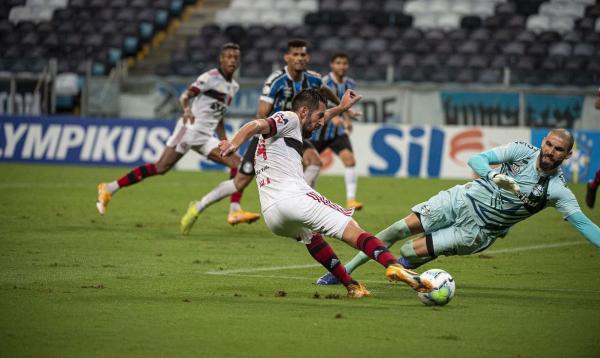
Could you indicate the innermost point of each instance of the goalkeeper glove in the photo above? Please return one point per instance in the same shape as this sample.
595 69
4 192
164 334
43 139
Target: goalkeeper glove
505 182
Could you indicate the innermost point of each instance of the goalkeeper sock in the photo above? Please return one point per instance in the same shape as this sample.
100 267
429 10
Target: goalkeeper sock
397 231
320 250
375 249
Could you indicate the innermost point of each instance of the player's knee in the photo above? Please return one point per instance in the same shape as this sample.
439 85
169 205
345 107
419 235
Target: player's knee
350 162
407 251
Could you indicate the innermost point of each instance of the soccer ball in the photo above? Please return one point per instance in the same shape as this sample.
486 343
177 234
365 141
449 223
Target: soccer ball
443 288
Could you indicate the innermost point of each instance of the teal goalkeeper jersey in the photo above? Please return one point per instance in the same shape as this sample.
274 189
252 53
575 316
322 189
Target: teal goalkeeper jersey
497 209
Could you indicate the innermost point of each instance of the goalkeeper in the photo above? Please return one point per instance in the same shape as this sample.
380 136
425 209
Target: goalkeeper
468 218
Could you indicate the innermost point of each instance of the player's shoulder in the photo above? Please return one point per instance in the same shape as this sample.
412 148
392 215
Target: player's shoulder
275 76
559 179
314 75
351 82
524 146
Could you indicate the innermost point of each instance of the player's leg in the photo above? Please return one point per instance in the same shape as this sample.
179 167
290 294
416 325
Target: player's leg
592 188
343 148
105 190
312 163
233 162
323 253
376 250
226 188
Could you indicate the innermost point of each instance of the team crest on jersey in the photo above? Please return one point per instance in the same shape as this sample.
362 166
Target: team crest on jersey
517 167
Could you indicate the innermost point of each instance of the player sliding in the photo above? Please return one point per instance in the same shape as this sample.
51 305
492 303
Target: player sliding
210 95
291 208
467 219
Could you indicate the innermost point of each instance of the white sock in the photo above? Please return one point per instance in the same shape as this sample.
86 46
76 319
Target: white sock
112 187
233 207
222 190
311 173
350 179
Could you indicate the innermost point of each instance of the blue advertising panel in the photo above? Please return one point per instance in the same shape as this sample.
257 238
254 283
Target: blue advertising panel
480 109
552 111
586 154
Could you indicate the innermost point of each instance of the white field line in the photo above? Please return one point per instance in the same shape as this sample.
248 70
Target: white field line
21 185
238 272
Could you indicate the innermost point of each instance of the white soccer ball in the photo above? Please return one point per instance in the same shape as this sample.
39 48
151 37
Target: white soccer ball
443 288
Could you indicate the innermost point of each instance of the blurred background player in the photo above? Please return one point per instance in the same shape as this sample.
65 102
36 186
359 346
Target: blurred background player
291 208
467 219
334 134
204 105
277 94
592 186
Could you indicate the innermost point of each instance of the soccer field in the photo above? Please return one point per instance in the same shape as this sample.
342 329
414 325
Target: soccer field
74 284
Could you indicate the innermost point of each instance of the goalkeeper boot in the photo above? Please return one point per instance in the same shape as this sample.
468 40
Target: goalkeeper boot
396 272
327 279
188 220
357 290
353 204
242 216
104 197
590 196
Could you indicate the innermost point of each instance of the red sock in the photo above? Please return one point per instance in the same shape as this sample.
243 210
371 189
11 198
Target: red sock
137 174
596 182
322 252
237 196
375 249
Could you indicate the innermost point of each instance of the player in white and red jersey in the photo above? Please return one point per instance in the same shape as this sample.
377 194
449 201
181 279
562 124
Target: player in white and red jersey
292 208
204 105
592 186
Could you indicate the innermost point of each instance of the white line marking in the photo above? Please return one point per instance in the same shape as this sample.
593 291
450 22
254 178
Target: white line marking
261 269
535 247
292 267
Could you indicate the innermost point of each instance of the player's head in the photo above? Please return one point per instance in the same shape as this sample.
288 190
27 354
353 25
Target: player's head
296 55
229 58
556 147
310 106
339 63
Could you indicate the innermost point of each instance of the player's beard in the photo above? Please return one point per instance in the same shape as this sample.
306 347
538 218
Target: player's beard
547 166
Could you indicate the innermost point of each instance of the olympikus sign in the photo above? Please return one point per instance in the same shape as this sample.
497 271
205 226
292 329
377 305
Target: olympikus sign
82 141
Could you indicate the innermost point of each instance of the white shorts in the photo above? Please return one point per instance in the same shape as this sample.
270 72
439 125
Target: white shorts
298 217
186 137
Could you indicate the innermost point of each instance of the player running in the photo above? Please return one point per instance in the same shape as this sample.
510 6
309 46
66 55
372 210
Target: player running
291 208
334 134
467 219
279 89
204 105
592 186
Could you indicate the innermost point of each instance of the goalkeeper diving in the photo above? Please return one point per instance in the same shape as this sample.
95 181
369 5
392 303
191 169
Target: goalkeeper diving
467 219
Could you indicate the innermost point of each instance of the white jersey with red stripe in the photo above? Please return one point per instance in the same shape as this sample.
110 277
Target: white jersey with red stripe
214 94
278 160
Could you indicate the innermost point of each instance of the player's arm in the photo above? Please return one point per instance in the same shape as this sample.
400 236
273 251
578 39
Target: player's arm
248 130
221 130
348 100
586 227
264 108
329 95
480 163
184 100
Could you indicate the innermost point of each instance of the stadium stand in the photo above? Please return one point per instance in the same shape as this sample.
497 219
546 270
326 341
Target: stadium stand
74 31
464 41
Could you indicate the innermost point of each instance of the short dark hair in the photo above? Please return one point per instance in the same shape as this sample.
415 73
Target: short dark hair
337 55
230 46
308 97
296 43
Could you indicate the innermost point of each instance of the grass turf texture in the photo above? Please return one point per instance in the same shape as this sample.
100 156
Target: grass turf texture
76 284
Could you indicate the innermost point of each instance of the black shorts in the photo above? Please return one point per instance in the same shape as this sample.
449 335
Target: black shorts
336 144
247 164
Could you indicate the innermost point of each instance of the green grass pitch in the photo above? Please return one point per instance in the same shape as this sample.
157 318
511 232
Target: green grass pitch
74 284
